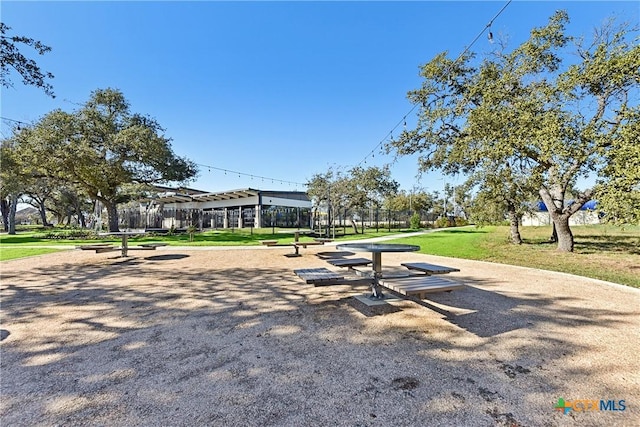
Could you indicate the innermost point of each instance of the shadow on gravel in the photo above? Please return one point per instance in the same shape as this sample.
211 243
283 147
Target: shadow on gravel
137 342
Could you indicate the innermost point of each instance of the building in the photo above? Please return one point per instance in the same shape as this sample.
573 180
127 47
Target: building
243 208
588 214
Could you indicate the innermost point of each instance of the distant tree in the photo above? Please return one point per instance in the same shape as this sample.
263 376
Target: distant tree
546 124
326 190
416 200
39 192
11 183
356 189
369 187
109 153
12 58
618 189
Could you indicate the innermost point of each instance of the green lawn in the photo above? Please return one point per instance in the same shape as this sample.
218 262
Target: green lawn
237 237
17 252
601 252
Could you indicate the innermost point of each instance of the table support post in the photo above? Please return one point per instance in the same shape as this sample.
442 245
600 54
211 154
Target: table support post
125 245
376 290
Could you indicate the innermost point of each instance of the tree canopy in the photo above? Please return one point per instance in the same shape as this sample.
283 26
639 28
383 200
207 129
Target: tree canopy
12 58
104 150
352 191
534 116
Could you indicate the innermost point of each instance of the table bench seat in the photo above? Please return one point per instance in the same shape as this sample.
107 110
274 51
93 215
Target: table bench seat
153 245
429 268
420 286
349 262
305 244
269 242
93 246
107 249
333 254
319 276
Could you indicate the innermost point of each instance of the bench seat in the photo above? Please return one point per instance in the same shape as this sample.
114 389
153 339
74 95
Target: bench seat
153 245
94 246
417 286
333 254
107 249
349 262
269 242
319 276
305 244
429 268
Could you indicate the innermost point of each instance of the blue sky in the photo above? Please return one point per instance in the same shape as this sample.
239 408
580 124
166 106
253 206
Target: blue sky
281 90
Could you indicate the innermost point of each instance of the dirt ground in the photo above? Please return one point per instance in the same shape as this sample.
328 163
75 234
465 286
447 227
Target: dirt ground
231 337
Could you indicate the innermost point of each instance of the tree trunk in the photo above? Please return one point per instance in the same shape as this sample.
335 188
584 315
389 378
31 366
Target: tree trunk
4 209
565 236
553 198
554 233
82 220
112 213
13 206
43 213
514 227
354 225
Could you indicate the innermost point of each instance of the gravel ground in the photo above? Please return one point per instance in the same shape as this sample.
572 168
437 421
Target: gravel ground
231 337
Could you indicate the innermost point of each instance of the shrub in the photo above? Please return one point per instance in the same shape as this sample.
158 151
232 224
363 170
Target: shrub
442 222
75 234
415 220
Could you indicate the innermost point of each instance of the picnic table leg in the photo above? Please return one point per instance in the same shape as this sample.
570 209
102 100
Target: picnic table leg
376 290
125 245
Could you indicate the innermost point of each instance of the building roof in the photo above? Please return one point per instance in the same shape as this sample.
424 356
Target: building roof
178 195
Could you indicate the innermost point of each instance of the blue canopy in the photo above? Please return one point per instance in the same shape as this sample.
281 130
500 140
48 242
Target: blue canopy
591 205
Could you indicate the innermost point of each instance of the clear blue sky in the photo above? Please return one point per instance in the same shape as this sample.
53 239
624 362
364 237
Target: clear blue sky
276 89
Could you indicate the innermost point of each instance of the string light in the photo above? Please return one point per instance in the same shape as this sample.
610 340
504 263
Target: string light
251 176
403 121
17 122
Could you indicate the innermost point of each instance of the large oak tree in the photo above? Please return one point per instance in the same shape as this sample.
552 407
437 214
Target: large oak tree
537 114
105 150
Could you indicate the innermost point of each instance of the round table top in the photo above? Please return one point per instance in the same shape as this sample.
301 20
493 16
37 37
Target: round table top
378 247
293 231
121 233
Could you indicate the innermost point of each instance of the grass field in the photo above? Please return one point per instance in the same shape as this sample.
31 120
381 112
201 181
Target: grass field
601 252
13 253
237 237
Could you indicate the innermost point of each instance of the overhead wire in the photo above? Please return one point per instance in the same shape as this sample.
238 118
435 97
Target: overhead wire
404 118
402 121
252 176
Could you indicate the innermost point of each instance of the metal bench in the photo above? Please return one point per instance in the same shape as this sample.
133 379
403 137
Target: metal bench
98 247
319 276
333 254
429 269
298 245
153 245
349 262
323 239
419 286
